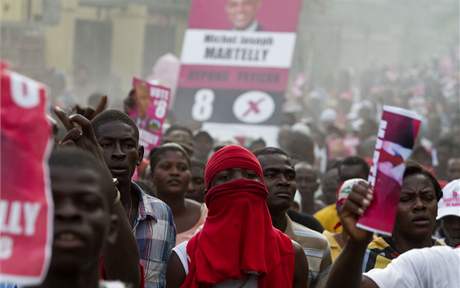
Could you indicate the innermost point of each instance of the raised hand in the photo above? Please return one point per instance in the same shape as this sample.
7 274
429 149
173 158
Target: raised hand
357 202
80 133
90 112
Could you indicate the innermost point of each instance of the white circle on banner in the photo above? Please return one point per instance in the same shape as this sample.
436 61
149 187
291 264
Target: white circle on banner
254 107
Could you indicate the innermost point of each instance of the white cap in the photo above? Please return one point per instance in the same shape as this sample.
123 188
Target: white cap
345 190
450 202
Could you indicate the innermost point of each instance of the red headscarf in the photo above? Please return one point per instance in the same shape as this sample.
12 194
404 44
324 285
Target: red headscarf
238 235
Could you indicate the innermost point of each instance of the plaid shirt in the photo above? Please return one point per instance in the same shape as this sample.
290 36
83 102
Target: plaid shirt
155 235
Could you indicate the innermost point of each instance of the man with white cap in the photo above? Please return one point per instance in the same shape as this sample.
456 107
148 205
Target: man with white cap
449 213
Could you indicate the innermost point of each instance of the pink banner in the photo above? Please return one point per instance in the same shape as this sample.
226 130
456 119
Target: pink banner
150 112
222 14
396 137
236 54
26 208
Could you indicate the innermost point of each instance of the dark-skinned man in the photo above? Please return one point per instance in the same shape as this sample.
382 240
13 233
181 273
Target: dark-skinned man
308 182
436 266
81 134
279 176
349 168
150 218
84 221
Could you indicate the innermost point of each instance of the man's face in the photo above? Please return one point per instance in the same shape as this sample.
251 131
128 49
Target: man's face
182 138
171 175
451 228
443 152
453 169
329 185
196 191
279 175
417 208
143 102
202 147
307 180
81 217
242 12
352 171
121 151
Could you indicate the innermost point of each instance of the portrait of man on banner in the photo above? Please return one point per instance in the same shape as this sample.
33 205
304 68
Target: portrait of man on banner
242 14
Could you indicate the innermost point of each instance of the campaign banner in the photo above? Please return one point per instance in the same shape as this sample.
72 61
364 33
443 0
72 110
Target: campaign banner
397 133
149 112
26 207
235 63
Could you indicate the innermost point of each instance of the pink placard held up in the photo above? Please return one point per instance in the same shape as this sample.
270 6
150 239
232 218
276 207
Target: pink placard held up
26 208
396 137
149 112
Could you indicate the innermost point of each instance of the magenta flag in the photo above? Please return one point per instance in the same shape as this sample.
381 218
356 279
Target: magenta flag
396 137
26 207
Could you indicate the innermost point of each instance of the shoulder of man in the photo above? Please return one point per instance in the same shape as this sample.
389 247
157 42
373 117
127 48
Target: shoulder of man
301 231
153 206
160 209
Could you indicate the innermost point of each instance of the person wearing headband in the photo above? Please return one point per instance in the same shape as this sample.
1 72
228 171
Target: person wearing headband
238 245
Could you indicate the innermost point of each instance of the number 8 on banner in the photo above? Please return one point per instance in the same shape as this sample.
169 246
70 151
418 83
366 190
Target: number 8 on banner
202 108
25 93
161 109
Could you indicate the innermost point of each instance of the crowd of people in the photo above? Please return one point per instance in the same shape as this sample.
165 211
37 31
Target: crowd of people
197 212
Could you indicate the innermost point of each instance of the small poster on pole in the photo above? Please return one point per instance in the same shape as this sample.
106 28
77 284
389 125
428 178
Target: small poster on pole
149 112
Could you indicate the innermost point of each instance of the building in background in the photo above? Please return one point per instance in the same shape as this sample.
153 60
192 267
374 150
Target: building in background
100 44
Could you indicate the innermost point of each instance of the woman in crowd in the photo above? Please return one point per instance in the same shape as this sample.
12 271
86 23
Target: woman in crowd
238 246
415 218
170 175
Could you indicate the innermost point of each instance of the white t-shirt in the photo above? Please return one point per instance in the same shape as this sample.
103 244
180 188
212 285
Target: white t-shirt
434 267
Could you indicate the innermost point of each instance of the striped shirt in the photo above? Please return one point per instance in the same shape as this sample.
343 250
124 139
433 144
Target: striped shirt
155 234
314 244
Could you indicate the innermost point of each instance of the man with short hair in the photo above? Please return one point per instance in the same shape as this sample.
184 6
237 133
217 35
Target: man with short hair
196 187
242 14
353 167
279 176
307 180
151 219
81 134
180 135
84 221
453 169
349 168
202 145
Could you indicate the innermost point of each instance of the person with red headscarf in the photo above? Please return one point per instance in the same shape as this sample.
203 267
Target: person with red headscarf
238 245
